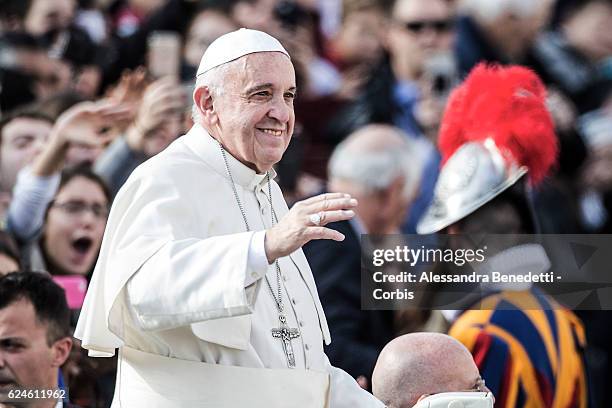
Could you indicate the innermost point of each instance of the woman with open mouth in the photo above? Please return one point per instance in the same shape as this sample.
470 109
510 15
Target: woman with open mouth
74 225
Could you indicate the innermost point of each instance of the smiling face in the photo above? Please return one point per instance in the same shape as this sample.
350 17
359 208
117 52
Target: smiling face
253 115
75 225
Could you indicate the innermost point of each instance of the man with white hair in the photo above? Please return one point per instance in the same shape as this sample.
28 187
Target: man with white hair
201 281
377 162
378 165
415 365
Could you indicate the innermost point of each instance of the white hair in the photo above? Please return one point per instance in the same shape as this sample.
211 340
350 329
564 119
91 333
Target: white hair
490 10
214 80
377 168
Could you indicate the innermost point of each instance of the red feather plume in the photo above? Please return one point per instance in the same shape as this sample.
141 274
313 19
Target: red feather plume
507 104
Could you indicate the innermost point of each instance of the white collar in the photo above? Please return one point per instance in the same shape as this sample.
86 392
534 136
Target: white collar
207 148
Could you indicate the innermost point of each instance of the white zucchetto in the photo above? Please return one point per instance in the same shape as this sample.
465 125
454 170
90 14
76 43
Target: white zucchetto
237 44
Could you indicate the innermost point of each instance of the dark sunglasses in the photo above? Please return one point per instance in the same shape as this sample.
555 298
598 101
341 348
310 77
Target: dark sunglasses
417 27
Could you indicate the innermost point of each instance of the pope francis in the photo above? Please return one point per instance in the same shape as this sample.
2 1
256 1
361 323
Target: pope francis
201 282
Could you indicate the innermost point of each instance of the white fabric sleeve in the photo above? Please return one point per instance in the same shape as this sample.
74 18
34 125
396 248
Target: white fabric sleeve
31 196
193 280
344 392
258 261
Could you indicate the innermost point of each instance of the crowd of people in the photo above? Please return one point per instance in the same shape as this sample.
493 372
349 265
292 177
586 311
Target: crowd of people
92 89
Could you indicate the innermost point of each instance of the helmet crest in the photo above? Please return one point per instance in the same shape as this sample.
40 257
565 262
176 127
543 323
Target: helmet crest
508 105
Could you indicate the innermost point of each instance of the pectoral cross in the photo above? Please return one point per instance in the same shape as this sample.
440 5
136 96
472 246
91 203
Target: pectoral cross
285 334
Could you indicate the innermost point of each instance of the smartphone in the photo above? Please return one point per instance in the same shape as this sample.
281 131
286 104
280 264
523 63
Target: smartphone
164 54
75 287
441 73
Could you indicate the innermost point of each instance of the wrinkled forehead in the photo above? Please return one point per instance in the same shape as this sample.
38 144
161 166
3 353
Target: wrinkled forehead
273 68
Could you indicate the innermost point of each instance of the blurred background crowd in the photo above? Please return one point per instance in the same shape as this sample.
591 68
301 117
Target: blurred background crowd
89 89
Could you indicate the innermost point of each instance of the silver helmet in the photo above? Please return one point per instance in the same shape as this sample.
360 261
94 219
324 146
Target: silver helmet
496 127
474 175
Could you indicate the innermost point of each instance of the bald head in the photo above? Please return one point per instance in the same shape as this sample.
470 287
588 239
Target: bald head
418 364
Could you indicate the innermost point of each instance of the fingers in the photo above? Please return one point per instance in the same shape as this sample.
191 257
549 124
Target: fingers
165 97
160 87
118 114
326 202
323 197
74 112
109 109
130 87
329 207
172 102
344 203
154 90
323 233
107 112
162 98
100 139
305 222
334 216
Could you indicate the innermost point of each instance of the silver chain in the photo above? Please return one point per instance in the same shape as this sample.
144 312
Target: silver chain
278 300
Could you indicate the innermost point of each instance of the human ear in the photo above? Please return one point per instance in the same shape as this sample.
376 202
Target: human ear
61 351
203 98
390 196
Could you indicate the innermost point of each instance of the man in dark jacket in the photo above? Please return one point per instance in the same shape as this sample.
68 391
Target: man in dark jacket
377 164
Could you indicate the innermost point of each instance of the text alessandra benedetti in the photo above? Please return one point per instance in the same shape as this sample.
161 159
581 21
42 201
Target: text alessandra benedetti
492 277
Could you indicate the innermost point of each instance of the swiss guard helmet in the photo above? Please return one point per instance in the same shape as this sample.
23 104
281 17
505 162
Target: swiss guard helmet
496 132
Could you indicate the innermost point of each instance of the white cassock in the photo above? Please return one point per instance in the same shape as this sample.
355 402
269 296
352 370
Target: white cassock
175 291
